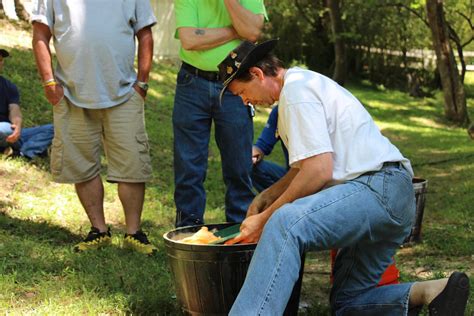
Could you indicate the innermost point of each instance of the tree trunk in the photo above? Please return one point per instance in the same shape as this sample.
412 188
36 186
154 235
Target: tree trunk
340 72
454 95
2 11
20 11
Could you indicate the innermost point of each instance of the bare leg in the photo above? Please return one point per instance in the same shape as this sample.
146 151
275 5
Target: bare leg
91 195
132 196
422 293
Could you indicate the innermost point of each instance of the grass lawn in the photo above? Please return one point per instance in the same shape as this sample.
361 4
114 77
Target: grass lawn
41 220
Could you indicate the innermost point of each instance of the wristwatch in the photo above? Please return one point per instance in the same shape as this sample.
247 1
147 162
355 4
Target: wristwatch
142 85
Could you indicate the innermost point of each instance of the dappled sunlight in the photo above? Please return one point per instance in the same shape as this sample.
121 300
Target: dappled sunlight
155 94
261 115
427 122
14 37
385 105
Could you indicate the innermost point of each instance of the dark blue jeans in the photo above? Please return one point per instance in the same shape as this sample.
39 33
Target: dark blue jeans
266 173
196 106
33 140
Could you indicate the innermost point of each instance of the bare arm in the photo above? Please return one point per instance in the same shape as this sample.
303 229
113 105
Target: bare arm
145 56
193 38
16 120
314 174
262 201
41 38
247 24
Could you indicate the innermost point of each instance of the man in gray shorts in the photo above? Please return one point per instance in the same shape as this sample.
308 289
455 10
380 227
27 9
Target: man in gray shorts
98 101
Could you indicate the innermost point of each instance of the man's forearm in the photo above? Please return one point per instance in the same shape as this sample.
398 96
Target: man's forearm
145 53
313 176
205 38
247 24
41 38
279 187
15 116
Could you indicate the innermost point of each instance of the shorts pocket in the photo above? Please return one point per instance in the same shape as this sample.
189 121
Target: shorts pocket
137 95
57 157
144 153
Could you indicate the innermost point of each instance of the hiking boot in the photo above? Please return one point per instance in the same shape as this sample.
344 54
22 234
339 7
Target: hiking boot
139 242
453 299
94 240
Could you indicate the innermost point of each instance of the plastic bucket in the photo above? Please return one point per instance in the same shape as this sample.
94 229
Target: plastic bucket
208 277
420 186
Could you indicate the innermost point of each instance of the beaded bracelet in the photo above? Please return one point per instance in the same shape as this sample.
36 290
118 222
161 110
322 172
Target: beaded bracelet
50 82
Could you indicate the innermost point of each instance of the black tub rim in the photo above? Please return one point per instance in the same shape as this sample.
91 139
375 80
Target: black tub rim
169 242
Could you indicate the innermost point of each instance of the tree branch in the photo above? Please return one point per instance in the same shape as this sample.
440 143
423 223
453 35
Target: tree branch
403 6
305 16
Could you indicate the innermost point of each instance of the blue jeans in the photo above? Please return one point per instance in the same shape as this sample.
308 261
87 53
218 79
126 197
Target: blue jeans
33 140
266 173
196 106
366 218
5 131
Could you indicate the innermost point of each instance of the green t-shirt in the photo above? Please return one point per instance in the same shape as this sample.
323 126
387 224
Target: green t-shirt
209 14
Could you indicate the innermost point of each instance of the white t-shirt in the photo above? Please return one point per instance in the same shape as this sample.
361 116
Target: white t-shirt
95 46
316 115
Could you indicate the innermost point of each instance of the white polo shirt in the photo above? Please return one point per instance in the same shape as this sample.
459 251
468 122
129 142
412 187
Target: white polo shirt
316 115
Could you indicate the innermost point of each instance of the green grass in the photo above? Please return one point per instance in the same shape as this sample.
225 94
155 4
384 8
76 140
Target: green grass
41 220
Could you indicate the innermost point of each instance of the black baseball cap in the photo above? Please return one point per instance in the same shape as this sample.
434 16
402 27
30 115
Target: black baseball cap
244 56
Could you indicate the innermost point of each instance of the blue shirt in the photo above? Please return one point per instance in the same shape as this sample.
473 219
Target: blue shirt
268 137
8 95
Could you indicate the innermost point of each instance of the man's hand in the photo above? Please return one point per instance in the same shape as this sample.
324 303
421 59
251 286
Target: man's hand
259 204
13 138
257 155
140 91
250 230
54 94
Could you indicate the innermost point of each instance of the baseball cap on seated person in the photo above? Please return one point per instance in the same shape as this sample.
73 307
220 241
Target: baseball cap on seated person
241 58
4 53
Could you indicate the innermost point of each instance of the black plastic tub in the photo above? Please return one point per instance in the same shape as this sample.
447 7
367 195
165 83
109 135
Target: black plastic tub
208 277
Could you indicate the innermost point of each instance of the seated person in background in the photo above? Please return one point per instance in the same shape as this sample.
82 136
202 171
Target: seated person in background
27 142
266 173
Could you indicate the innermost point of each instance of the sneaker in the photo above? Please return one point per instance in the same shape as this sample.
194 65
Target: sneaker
94 240
139 242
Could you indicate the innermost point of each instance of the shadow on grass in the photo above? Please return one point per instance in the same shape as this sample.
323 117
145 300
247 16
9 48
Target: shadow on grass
36 230
38 259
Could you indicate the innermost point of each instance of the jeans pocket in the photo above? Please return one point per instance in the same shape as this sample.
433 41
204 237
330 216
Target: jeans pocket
184 78
398 196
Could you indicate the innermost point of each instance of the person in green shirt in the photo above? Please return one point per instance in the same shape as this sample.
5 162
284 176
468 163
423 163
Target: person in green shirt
208 30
